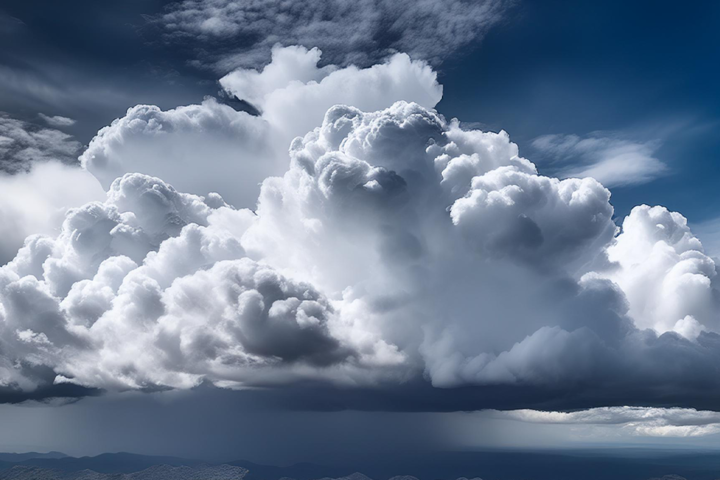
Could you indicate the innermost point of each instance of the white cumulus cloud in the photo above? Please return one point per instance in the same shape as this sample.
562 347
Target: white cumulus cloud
665 275
391 245
213 148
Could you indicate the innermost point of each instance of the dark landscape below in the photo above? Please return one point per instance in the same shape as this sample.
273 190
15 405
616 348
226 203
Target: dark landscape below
616 464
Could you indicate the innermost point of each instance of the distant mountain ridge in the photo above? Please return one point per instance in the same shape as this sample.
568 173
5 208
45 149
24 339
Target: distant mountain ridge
157 472
490 465
298 471
352 476
21 457
121 462
111 466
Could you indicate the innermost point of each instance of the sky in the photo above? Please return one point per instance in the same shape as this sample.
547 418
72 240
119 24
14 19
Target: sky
243 229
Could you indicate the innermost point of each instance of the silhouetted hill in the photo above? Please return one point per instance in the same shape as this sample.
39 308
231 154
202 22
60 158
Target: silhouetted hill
352 476
625 464
157 472
108 462
21 457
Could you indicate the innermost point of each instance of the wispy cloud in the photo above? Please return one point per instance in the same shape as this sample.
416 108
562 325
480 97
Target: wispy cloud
23 143
57 120
644 421
607 157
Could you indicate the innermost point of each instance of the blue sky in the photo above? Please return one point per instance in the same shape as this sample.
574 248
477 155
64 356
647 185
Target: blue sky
644 70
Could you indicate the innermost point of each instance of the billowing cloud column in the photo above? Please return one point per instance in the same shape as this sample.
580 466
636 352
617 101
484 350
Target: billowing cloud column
213 148
396 249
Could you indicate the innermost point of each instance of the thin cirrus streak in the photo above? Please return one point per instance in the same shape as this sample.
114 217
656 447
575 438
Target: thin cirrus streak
610 159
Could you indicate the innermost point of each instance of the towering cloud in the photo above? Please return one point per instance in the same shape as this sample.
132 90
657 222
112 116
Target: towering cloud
213 148
395 248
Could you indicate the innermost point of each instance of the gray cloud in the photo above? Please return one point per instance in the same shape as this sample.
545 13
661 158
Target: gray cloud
23 143
55 69
226 34
57 120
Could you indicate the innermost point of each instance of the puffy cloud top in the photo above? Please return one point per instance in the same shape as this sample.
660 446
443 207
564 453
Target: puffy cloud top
148 289
213 148
668 280
202 148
